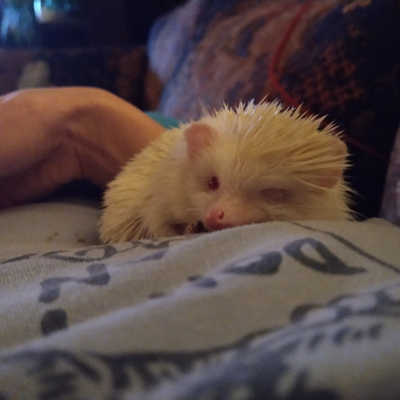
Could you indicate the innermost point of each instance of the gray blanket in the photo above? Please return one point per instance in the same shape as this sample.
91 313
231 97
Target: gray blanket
271 311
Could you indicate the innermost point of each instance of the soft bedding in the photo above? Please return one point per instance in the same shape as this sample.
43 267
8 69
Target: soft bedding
269 311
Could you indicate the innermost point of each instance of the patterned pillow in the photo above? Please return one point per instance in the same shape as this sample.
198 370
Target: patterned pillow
335 58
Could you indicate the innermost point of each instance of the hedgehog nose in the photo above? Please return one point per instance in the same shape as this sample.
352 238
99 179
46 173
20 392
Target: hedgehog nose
215 219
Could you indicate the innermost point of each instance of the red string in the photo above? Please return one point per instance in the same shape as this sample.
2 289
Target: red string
285 96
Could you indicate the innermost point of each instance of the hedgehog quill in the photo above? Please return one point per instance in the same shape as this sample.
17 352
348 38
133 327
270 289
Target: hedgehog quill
252 164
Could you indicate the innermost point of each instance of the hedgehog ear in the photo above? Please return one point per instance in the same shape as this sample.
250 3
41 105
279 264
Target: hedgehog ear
329 176
198 136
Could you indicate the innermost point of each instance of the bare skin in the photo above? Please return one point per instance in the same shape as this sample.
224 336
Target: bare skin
49 137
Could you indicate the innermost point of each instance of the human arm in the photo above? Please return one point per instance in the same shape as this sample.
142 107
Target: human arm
49 137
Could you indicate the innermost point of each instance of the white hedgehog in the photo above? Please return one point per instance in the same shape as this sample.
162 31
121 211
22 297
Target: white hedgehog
240 166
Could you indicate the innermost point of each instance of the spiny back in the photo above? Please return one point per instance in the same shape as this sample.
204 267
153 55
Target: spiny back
283 136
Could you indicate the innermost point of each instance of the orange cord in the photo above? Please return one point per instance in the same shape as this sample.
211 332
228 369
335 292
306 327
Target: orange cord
289 100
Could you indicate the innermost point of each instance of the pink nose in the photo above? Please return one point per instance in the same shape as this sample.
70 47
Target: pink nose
215 219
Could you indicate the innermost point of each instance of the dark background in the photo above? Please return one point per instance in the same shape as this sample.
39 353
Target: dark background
98 23
124 21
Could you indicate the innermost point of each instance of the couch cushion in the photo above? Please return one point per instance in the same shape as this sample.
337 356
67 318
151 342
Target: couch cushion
336 58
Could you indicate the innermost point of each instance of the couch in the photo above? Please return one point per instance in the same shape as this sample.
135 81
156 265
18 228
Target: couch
280 310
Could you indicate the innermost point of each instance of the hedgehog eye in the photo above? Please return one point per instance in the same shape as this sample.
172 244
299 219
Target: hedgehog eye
213 183
275 195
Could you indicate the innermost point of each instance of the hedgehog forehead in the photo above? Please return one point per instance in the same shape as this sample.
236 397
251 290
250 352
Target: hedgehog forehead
265 140
268 131
245 165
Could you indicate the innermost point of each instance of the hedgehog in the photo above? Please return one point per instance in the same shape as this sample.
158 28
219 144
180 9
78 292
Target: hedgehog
234 166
